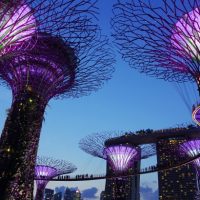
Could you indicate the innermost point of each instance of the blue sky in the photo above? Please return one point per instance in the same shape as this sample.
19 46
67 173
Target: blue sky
128 102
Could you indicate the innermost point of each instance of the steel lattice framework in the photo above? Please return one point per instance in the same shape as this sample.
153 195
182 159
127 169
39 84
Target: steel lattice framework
68 58
50 168
95 144
160 38
17 25
22 19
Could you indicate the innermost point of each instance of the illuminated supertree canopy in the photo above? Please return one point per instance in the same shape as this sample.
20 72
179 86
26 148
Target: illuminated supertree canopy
17 24
50 168
20 20
94 144
36 73
160 38
121 157
67 74
196 115
186 34
71 62
191 148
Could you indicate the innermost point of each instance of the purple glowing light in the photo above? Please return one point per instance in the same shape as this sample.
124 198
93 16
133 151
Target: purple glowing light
47 70
45 172
17 25
186 34
191 148
196 115
121 157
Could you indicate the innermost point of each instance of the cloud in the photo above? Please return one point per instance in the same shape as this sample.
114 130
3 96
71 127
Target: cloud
147 193
90 193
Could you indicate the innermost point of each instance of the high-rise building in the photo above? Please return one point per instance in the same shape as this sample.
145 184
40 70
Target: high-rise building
122 188
72 194
178 183
48 194
102 195
77 195
58 196
68 194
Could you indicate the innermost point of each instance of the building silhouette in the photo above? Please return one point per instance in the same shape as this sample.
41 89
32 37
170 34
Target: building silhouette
77 195
57 196
72 194
102 195
176 183
68 194
48 194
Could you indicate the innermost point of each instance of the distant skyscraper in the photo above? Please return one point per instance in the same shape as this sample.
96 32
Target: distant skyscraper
48 194
178 183
77 195
57 196
72 194
68 194
102 195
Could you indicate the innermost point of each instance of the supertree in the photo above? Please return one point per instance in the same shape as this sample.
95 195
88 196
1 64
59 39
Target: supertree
160 38
75 62
122 160
49 168
119 156
192 148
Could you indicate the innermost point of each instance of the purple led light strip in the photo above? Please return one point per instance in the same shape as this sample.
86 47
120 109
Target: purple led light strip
186 34
196 115
44 171
17 25
191 148
121 157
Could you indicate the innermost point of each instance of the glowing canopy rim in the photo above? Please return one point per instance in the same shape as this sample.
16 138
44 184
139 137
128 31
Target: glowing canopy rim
121 157
191 148
44 171
196 115
17 26
186 35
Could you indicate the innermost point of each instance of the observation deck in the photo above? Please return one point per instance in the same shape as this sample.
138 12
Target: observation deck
154 136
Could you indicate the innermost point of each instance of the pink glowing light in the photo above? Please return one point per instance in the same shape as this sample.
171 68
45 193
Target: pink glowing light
186 35
196 115
17 25
191 148
45 172
121 157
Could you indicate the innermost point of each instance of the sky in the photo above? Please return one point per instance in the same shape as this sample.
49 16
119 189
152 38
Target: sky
130 101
